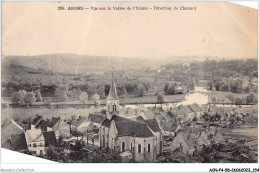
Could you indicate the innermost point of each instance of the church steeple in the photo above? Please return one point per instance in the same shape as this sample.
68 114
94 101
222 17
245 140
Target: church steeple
112 99
112 92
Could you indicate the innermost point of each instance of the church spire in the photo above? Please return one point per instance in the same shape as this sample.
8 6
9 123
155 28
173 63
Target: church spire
112 92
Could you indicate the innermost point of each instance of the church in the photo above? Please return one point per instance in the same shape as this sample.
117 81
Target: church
141 141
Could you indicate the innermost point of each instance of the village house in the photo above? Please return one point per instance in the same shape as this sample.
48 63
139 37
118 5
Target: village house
198 111
37 141
124 135
170 128
96 119
185 113
60 127
13 137
191 140
56 124
38 137
80 124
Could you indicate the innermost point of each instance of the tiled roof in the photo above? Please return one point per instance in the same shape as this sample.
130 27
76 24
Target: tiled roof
133 128
50 138
10 128
37 120
53 121
149 114
127 127
152 123
183 110
96 118
18 142
33 135
168 126
179 141
79 121
116 118
195 107
43 125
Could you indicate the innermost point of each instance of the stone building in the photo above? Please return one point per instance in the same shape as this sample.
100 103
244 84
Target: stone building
124 135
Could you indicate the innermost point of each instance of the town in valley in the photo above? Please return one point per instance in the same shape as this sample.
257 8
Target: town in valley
114 111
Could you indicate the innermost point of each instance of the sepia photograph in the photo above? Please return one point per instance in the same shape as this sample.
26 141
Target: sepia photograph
130 82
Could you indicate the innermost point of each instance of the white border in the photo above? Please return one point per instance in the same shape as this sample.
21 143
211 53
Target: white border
13 159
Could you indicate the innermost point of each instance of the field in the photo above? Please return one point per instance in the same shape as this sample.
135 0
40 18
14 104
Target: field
222 97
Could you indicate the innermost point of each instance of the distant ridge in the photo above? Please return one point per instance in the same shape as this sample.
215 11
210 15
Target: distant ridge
75 64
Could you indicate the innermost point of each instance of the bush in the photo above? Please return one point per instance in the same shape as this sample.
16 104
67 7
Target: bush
161 98
29 98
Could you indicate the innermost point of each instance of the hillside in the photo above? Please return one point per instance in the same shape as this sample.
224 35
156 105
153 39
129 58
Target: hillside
74 64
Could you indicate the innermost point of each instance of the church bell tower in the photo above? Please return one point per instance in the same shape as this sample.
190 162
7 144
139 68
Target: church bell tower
112 105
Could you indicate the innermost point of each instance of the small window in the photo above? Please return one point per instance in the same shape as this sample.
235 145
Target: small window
34 145
123 146
149 148
139 148
131 147
114 107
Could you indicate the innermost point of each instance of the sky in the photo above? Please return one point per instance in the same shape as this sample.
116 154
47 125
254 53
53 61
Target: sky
219 29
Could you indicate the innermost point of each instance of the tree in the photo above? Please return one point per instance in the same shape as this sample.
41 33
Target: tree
38 96
139 90
122 93
74 93
251 98
29 98
18 97
91 90
60 93
231 98
101 92
83 97
96 99
239 101
170 89
213 99
236 86
166 87
161 98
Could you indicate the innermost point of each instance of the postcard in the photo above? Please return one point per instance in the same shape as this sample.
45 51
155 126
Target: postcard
170 83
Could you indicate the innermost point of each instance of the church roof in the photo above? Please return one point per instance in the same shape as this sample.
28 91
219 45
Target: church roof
116 118
126 127
152 123
112 92
133 128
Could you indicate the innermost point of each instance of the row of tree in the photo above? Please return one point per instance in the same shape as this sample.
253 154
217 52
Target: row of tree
249 99
26 98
